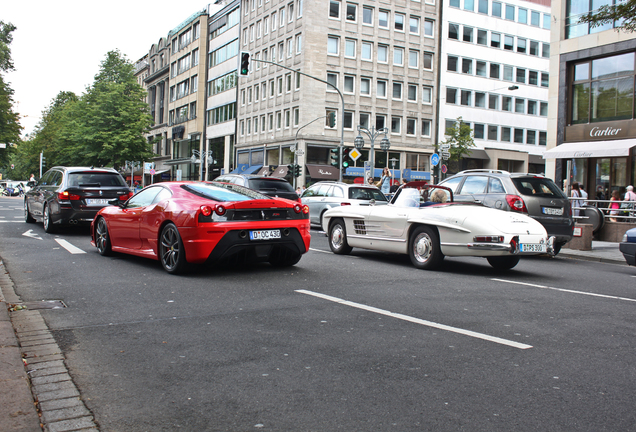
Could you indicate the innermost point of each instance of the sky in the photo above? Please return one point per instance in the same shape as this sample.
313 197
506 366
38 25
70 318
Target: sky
58 45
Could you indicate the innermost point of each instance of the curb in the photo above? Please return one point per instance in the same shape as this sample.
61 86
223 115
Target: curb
41 381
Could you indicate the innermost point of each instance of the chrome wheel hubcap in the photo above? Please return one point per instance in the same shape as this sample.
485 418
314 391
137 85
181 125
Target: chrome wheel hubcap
422 248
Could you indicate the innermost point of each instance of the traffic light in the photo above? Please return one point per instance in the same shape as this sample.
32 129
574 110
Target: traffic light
297 171
331 119
244 70
346 159
335 157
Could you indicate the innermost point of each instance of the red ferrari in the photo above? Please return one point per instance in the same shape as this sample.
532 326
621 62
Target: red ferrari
203 222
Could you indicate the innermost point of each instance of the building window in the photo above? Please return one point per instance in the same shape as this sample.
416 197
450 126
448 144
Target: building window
352 12
399 22
522 16
509 43
510 12
349 86
426 128
383 19
466 98
493 133
451 95
412 93
332 45
414 25
365 86
478 131
380 121
482 6
428 61
398 56
350 48
383 54
468 34
496 9
480 69
396 125
453 31
296 116
495 40
427 95
493 101
602 89
480 100
381 89
366 52
348 120
367 16
410 126
521 45
494 70
482 37
413 58
506 103
451 63
365 120
520 105
467 66
397 91
521 76
519 136
332 79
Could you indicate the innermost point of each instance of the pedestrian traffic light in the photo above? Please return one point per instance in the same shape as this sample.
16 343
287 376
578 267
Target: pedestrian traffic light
335 157
244 70
331 119
346 159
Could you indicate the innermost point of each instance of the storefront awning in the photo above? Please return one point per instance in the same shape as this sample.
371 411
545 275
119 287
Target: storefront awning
324 172
478 154
280 171
263 171
244 169
591 149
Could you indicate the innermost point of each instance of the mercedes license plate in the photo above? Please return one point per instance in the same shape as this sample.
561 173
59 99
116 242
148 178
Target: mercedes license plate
265 235
552 211
530 247
94 202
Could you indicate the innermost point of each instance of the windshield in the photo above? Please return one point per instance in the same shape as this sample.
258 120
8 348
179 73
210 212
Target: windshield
223 191
538 186
366 194
413 197
86 179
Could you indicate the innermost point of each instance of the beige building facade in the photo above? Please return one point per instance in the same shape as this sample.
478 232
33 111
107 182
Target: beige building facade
381 56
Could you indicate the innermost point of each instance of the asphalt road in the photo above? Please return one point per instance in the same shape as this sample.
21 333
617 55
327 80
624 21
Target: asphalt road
354 343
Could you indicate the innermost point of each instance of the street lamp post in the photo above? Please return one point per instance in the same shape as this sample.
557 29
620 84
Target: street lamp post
372 133
200 156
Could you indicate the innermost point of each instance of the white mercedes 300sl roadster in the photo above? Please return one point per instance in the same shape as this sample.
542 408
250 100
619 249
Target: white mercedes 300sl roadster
428 230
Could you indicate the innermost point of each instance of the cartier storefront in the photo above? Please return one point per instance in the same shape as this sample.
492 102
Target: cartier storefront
602 156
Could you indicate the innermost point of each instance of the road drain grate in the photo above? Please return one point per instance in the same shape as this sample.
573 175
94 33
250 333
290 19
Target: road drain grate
45 304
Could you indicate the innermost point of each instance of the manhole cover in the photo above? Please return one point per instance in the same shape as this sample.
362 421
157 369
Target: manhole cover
45 304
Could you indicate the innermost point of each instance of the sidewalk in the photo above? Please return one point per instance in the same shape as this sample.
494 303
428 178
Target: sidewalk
606 252
19 410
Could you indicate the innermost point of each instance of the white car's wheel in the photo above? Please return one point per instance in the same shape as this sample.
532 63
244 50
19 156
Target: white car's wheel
338 238
503 262
424 248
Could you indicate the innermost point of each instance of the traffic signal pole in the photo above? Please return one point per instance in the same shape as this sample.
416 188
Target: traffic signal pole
323 81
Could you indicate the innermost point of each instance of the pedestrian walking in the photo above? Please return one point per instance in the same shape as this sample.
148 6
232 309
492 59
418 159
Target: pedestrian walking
576 202
385 181
614 205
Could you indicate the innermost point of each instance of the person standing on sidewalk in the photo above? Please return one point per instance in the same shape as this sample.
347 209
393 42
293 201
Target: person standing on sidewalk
631 197
576 203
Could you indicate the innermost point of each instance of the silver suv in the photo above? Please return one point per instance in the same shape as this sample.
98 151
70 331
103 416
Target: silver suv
533 194
325 195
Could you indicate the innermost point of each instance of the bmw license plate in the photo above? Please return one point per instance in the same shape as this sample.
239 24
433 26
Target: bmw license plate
265 235
552 211
532 247
95 202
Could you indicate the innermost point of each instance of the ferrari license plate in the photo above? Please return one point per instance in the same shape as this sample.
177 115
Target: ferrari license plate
530 247
552 211
265 235
100 201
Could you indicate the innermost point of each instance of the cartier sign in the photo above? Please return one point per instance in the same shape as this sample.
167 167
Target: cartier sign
606 130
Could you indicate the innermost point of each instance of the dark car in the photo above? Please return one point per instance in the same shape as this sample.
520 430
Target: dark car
628 247
533 194
73 195
274 187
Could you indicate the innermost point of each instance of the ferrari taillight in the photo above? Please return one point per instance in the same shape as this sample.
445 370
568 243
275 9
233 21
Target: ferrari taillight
64 196
305 209
206 210
220 210
298 208
516 203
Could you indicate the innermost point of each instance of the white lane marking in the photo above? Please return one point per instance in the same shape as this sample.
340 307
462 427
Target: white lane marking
69 247
318 250
566 290
31 234
19 221
418 321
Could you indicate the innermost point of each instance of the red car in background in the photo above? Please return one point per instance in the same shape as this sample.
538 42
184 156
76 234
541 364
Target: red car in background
203 222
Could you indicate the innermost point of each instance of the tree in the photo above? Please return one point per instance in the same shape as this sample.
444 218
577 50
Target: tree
106 126
623 12
460 138
9 120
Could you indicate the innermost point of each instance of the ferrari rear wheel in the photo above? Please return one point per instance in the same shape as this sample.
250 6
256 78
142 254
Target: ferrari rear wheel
424 248
46 220
503 262
27 214
102 238
338 238
171 251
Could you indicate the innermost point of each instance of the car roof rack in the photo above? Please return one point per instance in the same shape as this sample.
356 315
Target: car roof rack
492 171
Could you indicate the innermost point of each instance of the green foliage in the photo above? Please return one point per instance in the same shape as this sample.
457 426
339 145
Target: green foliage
460 138
624 12
9 120
6 64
